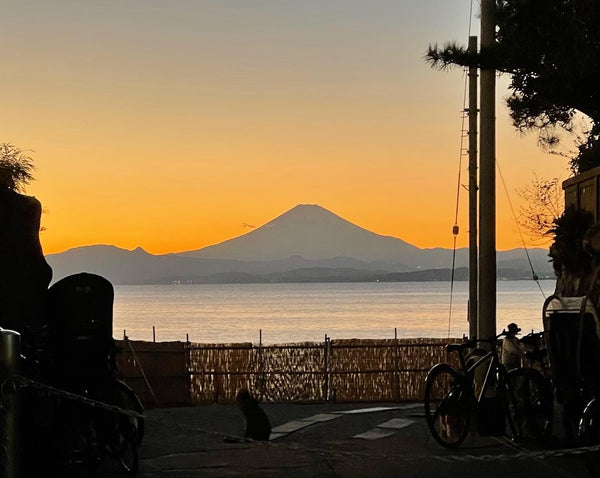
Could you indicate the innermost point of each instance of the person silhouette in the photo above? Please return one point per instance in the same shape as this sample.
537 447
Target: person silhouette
512 350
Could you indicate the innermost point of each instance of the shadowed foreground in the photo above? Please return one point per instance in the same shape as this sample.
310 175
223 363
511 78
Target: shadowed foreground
188 442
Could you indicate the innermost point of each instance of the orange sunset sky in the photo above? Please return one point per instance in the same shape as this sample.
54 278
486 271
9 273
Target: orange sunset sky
170 125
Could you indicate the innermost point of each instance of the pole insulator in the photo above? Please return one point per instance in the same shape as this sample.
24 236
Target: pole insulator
455 230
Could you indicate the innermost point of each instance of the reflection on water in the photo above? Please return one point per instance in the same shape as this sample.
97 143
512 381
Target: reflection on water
219 313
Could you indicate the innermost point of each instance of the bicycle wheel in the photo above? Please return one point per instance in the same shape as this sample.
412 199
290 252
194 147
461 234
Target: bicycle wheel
534 400
130 401
448 405
128 430
589 424
513 429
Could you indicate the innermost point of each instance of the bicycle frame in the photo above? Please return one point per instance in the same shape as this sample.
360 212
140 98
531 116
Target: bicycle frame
491 368
495 370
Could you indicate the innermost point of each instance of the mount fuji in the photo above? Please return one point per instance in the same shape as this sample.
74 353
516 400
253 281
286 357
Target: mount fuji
307 243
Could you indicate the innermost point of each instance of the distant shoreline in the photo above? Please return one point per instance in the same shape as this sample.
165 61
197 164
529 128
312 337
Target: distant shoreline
333 276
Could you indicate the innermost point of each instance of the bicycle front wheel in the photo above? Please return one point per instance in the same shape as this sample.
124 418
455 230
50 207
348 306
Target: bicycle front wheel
128 430
589 424
448 405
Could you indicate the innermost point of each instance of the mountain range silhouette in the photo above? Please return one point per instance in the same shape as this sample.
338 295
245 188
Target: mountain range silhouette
308 243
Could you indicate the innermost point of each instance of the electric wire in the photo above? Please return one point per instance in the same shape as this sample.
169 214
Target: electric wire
455 228
534 275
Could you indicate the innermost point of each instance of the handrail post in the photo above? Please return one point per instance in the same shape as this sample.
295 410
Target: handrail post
10 345
397 366
262 378
326 368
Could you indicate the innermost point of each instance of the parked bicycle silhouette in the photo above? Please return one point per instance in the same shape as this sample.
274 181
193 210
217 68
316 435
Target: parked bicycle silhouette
481 391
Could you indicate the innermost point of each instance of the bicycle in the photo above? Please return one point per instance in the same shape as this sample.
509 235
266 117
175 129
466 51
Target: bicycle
533 386
93 433
482 389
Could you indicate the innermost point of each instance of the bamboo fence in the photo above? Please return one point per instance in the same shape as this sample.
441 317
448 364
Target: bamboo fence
354 370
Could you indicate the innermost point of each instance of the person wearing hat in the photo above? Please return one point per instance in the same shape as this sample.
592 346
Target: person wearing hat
512 350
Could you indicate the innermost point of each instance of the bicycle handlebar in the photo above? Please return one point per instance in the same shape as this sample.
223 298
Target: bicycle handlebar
471 343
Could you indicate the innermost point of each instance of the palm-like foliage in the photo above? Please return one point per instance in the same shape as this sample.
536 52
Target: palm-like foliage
15 168
551 49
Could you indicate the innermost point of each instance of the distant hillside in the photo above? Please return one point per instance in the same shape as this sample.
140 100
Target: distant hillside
307 243
121 266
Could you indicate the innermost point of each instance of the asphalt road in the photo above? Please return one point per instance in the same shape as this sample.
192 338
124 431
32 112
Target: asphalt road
375 440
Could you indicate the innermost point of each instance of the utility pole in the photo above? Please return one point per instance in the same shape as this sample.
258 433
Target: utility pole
473 186
487 180
10 416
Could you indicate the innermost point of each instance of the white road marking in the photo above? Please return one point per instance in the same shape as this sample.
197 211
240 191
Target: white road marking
385 429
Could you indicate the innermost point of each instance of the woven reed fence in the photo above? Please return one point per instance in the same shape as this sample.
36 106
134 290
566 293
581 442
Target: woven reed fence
338 370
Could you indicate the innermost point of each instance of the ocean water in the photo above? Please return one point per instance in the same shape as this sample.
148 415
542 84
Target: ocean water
280 313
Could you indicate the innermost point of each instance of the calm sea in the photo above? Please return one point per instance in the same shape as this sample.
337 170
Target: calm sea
222 313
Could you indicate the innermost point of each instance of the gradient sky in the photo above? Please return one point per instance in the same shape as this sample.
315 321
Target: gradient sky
171 125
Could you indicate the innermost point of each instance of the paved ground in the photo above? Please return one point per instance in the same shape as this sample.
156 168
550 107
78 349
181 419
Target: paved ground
188 442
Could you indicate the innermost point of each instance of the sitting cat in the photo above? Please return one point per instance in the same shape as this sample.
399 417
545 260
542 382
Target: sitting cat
258 426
